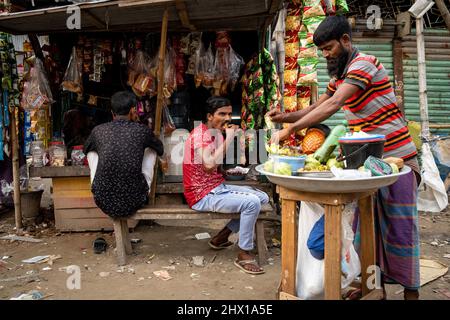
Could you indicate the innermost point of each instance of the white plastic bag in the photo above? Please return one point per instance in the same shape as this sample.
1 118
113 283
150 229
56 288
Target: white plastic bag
310 271
432 196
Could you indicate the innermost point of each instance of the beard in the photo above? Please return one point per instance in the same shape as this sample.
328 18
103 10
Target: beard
337 65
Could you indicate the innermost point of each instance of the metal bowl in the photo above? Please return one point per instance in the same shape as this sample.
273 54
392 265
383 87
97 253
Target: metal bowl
332 185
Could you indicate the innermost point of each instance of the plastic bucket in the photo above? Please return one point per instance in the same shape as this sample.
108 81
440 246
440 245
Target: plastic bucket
356 153
30 202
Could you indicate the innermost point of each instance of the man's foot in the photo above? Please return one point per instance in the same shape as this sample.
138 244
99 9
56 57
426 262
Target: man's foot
409 294
220 240
247 263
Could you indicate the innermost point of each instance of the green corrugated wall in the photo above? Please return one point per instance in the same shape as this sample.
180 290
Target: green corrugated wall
437 44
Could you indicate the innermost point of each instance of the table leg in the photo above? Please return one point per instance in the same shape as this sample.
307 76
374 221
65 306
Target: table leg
289 226
333 235
367 231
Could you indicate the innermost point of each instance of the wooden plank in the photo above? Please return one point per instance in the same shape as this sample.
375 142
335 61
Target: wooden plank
367 230
81 213
71 183
92 219
333 217
72 193
16 171
287 296
261 243
176 187
160 95
184 209
182 13
289 231
52 172
398 74
69 202
328 198
162 54
95 20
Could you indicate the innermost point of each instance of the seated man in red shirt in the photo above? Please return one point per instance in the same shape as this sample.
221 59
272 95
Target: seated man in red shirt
204 186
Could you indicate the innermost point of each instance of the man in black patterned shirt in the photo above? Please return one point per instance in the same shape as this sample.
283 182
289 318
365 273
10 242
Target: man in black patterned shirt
126 150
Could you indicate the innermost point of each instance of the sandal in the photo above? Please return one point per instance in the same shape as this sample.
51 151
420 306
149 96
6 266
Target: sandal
241 263
99 245
220 246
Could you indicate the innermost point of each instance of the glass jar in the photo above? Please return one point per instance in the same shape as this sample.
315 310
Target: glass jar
57 153
37 153
77 156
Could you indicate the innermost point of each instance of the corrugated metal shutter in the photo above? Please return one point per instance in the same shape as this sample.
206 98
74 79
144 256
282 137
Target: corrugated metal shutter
377 43
437 54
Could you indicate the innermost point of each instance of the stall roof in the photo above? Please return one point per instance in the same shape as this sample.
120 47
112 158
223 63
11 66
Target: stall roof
146 16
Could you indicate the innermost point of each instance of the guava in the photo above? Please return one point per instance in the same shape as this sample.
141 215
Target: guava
283 169
268 166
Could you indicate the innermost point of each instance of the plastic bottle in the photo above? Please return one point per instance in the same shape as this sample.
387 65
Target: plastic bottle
330 143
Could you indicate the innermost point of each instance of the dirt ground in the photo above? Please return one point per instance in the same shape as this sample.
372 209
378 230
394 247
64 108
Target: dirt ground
170 248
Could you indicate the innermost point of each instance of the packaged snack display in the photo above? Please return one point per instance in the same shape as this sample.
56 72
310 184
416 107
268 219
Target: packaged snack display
57 154
308 71
73 77
77 156
36 91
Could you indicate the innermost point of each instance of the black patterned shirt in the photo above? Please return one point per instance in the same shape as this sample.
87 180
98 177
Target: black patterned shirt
119 187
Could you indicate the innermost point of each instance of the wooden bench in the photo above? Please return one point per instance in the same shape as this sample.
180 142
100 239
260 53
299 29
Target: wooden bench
176 212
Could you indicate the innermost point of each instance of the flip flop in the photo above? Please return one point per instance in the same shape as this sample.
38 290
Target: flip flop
241 263
220 246
99 245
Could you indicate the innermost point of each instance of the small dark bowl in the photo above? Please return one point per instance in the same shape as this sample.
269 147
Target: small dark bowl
234 177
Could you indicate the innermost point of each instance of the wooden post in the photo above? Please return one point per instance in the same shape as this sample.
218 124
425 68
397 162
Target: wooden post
16 172
333 236
161 58
160 97
422 80
288 246
367 230
444 11
398 75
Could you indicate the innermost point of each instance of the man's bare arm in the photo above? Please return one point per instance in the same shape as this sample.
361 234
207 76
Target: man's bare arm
292 117
326 109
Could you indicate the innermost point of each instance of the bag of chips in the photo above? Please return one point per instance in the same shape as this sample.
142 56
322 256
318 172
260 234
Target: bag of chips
313 11
73 81
342 6
308 71
313 23
36 91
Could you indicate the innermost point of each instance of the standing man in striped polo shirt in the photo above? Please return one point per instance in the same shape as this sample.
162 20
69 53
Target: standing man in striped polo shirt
360 86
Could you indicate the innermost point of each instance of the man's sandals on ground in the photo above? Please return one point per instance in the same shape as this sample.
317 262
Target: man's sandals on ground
242 263
221 246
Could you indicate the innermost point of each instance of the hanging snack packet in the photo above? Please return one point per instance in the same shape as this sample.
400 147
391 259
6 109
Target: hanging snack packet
342 6
36 91
313 23
329 6
313 11
308 71
310 52
73 77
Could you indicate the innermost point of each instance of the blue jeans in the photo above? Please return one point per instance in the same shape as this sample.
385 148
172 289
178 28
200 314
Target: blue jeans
231 199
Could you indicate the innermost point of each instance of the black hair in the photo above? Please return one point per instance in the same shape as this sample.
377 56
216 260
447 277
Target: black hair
122 102
332 28
213 103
